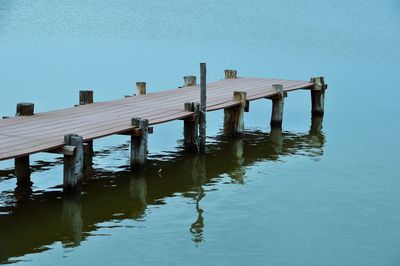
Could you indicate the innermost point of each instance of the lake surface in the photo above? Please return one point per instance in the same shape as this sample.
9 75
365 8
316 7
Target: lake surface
299 197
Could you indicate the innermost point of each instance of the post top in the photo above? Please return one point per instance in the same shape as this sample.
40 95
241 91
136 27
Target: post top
277 87
239 96
25 109
318 80
319 83
189 80
25 104
140 122
230 74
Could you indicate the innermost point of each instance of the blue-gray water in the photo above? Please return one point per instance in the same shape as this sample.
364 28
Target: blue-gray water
330 198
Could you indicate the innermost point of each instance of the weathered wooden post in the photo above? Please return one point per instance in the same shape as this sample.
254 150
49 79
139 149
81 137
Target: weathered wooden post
73 163
318 96
191 124
191 127
22 170
230 74
203 108
140 88
234 116
139 143
277 106
25 109
86 97
189 81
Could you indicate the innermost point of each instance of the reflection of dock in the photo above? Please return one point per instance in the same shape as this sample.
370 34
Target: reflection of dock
47 218
71 131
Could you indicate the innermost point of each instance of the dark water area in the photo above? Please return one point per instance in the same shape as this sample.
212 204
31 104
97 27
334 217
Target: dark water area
314 194
123 196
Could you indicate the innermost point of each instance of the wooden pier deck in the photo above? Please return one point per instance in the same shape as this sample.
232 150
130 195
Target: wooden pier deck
24 135
70 131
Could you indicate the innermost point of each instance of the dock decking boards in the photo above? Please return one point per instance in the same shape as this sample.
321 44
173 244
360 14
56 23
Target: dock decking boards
24 135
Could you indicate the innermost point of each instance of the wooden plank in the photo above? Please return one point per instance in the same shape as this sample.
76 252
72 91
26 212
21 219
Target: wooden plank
80 117
80 122
53 142
100 107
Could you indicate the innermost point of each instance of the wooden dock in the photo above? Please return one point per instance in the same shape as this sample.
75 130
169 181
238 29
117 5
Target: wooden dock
66 131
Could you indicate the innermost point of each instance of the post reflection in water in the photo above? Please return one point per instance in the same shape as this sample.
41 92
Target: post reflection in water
276 138
317 138
235 154
195 168
45 217
138 189
72 221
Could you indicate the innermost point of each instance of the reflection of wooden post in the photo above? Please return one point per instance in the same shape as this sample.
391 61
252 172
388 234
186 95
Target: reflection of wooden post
203 108
197 171
318 96
238 171
276 138
22 170
191 127
277 106
234 116
72 218
86 97
316 125
189 81
73 164
138 188
317 138
139 143
140 88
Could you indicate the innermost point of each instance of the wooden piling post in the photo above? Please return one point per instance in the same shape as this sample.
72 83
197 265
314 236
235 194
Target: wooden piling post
234 116
277 106
191 127
25 109
86 97
318 96
139 143
140 88
73 164
191 124
203 108
22 170
230 74
189 81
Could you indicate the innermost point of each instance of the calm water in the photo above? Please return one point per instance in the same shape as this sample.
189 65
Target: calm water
297 197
